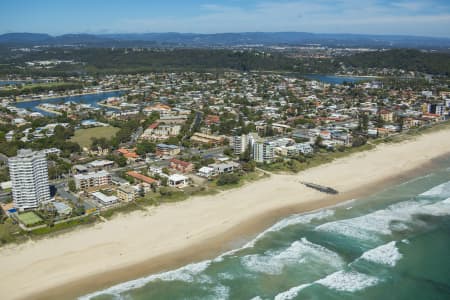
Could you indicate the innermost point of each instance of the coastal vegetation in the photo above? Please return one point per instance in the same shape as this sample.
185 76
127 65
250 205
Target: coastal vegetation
37 88
97 61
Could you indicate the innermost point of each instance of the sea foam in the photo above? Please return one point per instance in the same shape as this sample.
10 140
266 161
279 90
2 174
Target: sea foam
348 281
370 226
344 281
442 190
286 222
188 273
298 252
291 293
387 254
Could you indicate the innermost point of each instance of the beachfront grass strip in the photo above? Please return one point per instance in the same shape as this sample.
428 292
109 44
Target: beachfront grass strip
29 218
10 232
84 136
60 227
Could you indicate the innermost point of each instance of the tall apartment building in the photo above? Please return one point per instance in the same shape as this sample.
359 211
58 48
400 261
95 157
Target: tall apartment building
240 143
262 150
93 179
29 178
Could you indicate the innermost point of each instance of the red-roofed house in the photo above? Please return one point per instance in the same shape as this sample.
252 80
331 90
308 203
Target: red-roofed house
141 177
128 153
387 116
212 119
182 166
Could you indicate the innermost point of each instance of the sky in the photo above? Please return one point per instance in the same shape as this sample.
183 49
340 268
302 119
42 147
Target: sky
415 17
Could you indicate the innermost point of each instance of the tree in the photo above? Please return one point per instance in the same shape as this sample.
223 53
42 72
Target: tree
363 122
121 161
226 179
72 186
401 122
249 166
145 147
318 142
228 151
359 140
246 156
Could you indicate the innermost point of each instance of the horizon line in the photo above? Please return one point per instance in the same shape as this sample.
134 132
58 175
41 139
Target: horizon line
225 32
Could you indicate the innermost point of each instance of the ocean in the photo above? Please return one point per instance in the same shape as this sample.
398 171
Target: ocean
393 244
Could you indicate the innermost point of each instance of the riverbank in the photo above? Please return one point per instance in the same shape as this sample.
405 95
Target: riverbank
71 95
161 238
55 112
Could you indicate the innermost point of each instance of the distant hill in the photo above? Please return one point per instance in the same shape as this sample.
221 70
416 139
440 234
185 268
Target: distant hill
24 38
173 39
406 59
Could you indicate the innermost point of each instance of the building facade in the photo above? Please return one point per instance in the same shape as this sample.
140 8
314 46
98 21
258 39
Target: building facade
262 151
29 177
240 144
91 180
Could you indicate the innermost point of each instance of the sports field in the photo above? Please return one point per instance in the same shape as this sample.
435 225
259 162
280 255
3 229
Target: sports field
83 136
29 218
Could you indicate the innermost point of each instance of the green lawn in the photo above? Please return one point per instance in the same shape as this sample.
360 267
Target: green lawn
83 136
29 218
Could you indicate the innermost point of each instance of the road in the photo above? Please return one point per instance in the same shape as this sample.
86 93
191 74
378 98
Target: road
60 188
207 152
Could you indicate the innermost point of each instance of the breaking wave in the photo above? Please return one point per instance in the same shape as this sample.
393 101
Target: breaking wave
387 254
299 252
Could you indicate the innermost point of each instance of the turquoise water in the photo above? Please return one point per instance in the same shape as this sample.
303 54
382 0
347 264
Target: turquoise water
392 245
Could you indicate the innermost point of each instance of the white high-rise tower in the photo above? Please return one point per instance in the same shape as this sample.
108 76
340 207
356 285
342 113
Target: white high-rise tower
29 178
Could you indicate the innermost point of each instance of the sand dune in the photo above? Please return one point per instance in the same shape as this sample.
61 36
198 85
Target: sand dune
168 236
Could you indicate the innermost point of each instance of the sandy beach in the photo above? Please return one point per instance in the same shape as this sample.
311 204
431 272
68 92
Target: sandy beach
171 235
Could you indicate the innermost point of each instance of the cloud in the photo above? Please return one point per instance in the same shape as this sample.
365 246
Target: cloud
338 16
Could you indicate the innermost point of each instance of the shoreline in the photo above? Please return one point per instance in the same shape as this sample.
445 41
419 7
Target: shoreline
49 110
67 96
235 216
235 238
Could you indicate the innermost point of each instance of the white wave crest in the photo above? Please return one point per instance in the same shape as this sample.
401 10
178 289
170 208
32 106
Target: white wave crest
291 220
386 254
221 292
442 190
291 293
301 219
298 252
187 273
370 226
348 281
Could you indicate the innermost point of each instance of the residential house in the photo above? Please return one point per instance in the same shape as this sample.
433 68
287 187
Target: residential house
126 193
212 119
387 116
167 150
182 166
104 199
206 172
142 178
222 168
177 180
158 132
129 154
92 180
207 139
